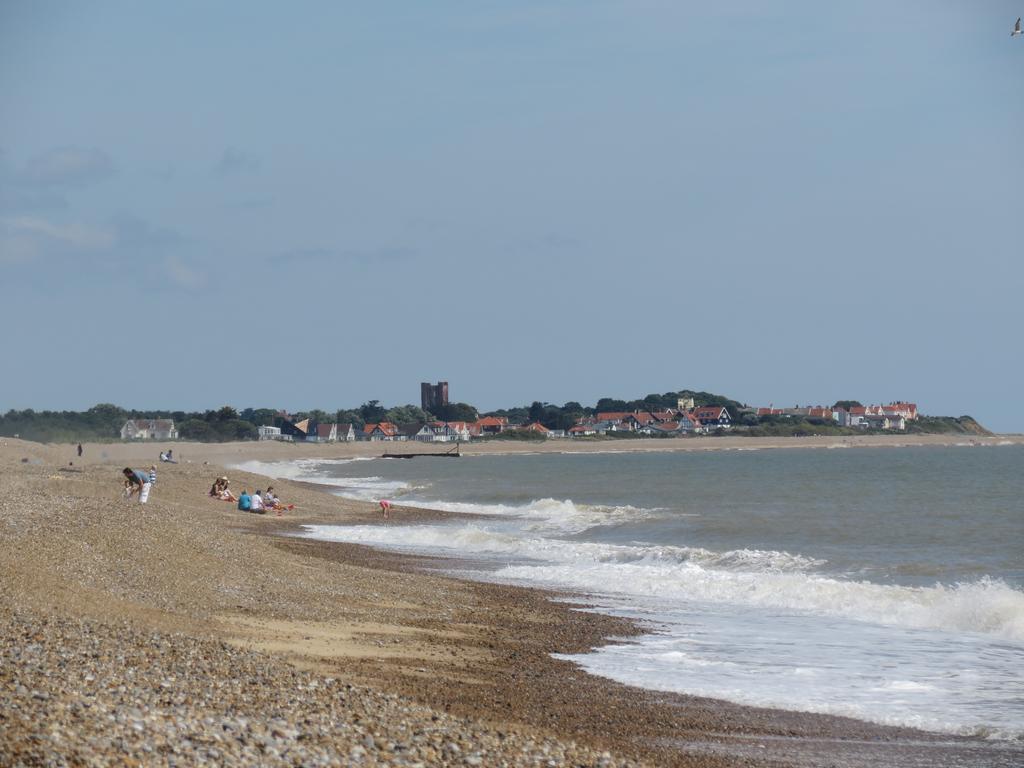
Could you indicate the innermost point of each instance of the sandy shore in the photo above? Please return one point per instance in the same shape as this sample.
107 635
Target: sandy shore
233 453
185 632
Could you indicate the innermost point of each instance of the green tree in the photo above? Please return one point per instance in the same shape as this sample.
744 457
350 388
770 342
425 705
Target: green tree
320 417
197 429
237 429
847 404
457 412
355 418
227 413
372 412
407 414
105 419
537 411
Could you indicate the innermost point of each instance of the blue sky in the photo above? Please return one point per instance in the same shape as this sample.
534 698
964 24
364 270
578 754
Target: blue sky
317 204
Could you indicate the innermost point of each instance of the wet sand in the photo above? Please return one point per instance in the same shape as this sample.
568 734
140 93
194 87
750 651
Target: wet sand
158 633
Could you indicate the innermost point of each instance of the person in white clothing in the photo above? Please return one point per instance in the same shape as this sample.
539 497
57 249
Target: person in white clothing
257 504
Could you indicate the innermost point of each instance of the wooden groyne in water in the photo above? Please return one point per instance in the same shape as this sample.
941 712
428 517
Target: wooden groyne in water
451 453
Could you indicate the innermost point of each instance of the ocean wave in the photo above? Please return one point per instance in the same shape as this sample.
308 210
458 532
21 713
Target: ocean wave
774 581
986 606
544 515
303 470
369 488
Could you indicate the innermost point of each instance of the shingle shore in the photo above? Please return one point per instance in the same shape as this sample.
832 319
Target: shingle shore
79 692
187 633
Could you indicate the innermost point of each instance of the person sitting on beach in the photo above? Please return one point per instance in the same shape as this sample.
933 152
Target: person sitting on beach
257 503
225 492
244 501
137 482
222 491
163 456
271 502
219 490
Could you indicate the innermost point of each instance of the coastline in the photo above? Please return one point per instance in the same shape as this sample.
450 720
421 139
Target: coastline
225 454
191 571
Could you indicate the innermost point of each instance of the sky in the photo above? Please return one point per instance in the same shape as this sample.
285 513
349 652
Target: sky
311 205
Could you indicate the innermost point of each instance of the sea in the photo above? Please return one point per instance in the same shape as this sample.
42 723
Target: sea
884 584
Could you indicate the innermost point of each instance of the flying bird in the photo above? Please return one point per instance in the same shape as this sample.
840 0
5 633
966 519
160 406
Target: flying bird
1017 32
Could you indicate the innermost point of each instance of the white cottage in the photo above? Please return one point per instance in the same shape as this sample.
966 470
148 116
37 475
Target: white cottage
149 429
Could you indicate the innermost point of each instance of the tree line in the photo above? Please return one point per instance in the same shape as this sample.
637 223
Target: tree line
104 421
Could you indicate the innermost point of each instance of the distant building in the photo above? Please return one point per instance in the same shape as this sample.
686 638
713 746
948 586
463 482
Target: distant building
149 429
491 425
639 419
688 423
269 433
537 428
433 396
684 404
713 416
615 416
875 421
293 431
384 431
324 433
907 410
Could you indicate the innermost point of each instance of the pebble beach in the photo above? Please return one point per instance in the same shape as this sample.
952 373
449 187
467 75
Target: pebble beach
183 632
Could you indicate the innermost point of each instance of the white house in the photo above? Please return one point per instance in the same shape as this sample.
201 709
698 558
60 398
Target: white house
149 429
269 433
442 432
322 433
687 422
875 421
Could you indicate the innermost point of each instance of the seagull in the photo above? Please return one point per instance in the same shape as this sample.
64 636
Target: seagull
1017 32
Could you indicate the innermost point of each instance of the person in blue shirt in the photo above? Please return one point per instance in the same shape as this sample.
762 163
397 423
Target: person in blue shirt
137 481
244 501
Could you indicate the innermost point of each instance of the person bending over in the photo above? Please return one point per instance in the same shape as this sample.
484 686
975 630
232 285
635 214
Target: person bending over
137 482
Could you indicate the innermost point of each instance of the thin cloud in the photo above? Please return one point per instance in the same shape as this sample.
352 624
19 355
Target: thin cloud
68 167
122 240
182 274
73 235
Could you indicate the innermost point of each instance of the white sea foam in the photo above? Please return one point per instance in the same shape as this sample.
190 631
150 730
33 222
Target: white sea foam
544 515
962 684
986 606
311 471
776 581
304 470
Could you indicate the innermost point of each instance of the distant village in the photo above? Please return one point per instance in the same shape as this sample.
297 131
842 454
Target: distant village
685 419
